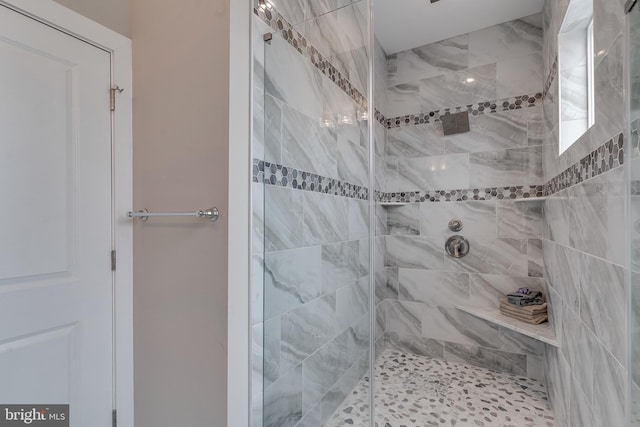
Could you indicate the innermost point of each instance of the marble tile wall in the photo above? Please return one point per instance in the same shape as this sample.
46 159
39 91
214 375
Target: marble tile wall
504 147
585 234
486 65
500 158
422 285
310 286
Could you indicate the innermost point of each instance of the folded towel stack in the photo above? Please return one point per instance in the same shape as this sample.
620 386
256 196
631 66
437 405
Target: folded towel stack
534 314
525 305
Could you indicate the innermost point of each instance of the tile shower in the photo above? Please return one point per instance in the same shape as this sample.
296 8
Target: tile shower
533 218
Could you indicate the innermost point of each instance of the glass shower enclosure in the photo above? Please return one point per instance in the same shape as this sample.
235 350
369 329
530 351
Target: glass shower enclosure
311 307
633 25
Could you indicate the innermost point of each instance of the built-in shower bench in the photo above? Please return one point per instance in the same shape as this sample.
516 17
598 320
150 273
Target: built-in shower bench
543 332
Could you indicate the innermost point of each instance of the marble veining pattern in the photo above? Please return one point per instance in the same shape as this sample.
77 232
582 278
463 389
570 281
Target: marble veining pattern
417 391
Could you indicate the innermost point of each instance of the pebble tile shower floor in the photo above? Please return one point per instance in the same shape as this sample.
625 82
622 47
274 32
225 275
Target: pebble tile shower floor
417 391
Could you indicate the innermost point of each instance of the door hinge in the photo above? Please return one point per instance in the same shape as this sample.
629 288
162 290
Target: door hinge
112 98
114 418
113 260
628 7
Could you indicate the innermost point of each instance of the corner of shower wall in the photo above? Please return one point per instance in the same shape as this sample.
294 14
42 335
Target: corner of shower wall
585 233
433 175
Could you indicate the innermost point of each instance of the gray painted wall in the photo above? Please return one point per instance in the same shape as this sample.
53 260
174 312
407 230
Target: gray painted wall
180 124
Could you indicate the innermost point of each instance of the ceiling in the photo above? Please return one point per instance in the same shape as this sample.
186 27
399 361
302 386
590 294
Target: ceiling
405 24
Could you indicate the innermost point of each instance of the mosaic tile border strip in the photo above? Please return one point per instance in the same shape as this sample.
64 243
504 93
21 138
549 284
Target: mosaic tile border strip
279 24
490 193
486 107
284 176
608 156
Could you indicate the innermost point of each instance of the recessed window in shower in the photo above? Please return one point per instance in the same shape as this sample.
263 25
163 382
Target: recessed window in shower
576 69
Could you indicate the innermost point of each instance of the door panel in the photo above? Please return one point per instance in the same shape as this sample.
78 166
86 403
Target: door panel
41 89
55 223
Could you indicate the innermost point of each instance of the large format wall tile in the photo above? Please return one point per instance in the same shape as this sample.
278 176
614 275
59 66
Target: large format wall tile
326 218
358 219
603 301
404 220
519 166
433 60
609 391
283 400
414 252
291 279
341 36
433 173
415 344
433 288
353 162
492 256
294 11
506 41
478 218
321 371
403 99
519 219
487 358
341 265
320 7
283 213
489 132
521 75
292 79
536 132
598 213
306 329
415 141
458 89
308 146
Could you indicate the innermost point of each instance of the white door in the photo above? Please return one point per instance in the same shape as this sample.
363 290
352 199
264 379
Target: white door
56 333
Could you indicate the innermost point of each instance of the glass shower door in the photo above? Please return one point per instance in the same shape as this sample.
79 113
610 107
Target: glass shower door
315 165
633 25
